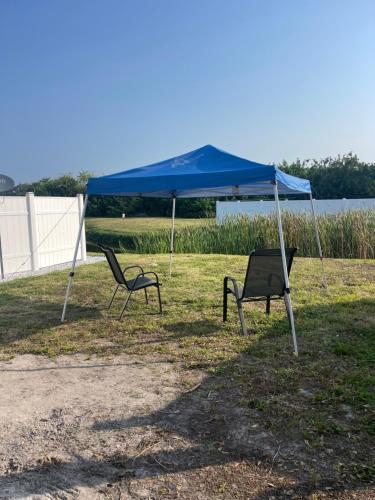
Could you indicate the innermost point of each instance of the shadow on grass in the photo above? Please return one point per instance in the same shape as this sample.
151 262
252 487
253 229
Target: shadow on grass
297 417
25 316
179 331
118 470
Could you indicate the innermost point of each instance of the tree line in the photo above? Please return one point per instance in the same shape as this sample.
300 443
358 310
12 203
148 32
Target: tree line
339 177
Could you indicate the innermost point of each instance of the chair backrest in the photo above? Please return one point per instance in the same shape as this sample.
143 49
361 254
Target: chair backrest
113 264
265 275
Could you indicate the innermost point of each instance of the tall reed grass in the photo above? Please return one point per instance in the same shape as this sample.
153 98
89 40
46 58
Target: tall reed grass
346 235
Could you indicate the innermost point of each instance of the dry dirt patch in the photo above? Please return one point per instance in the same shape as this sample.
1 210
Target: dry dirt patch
49 409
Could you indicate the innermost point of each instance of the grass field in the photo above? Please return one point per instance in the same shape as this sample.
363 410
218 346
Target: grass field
319 406
129 234
131 225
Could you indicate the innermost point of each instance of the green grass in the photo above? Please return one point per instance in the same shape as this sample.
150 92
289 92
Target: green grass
136 225
324 399
128 233
346 235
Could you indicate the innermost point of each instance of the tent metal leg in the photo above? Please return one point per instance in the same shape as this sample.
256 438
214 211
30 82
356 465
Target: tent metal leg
285 269
287 308
318 241
172 234
146 296
71 274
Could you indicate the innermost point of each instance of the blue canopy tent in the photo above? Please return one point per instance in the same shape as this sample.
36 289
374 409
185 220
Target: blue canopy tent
204 172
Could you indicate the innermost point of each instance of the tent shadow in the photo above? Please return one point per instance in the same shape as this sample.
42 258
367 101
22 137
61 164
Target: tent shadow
117 470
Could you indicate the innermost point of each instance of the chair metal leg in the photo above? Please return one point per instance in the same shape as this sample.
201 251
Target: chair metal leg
125 305
268 305
113 296
146 295
159 296
242 319
225 304
225 298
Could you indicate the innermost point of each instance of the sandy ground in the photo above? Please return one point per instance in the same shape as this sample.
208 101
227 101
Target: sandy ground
48 413
131 428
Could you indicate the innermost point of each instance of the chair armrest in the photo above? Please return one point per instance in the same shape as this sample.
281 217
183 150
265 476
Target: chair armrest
235 286
132 267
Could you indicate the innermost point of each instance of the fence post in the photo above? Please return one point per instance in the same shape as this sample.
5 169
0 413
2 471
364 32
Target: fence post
83 233
31 222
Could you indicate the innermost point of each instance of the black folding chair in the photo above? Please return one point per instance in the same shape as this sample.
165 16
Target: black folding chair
264 280
140 282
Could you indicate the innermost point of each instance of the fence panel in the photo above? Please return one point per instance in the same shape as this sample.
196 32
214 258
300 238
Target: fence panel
56 228
39 231
14 234
234 208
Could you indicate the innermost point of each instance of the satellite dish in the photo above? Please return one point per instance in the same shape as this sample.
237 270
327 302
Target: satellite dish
6 183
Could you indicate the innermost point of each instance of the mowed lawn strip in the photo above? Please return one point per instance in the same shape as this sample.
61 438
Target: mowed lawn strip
321 402
131 225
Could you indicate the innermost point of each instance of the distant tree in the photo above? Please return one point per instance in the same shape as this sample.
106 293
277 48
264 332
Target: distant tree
340 177
65 185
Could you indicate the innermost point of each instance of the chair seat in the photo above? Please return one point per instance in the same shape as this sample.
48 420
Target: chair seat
256 297
142 282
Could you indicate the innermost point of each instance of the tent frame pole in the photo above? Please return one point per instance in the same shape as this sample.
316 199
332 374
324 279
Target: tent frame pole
315 222
172 234
287 298
71 274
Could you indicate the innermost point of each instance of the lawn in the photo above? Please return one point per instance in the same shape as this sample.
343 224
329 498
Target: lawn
130 233
131 225
318 407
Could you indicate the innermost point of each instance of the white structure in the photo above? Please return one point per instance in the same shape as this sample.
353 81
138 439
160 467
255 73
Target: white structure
226 209
39 231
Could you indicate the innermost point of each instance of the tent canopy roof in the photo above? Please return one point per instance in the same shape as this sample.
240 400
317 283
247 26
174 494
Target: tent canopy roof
204 172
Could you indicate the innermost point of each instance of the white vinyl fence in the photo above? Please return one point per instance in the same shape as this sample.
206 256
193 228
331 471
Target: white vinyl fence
38 231
226 209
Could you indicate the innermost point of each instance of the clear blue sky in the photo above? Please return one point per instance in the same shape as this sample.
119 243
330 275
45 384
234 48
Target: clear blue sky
110 85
